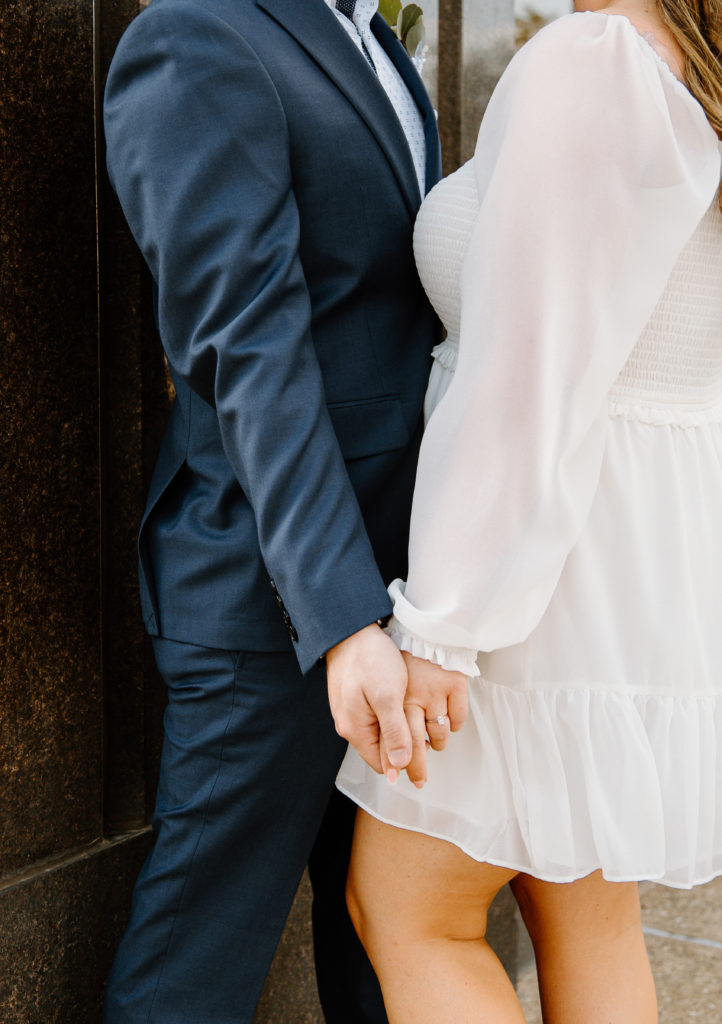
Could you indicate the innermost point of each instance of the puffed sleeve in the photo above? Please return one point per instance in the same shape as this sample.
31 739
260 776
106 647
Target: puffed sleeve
594 166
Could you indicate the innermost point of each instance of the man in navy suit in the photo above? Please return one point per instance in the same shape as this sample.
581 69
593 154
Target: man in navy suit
270 157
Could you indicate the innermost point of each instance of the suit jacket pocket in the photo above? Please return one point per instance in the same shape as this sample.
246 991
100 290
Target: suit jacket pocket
369 426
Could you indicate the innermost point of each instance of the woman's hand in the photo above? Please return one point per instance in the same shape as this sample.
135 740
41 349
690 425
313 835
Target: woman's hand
436 703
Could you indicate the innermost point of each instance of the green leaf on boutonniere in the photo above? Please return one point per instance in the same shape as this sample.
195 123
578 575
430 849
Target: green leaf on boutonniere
407 22
410 15
415 37
389 11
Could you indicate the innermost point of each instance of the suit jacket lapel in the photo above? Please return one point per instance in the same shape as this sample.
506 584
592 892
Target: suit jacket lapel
405 67
315 27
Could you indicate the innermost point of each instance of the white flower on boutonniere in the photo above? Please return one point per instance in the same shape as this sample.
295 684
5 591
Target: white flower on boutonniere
407 22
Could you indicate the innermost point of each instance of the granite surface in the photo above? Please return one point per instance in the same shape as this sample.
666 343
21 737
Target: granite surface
290 994
134 403
83 398
50 685
684 940
688 979
60 927
693 914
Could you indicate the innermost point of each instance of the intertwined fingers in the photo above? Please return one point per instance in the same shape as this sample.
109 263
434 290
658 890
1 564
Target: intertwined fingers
416 768
458 701
436 704
438 728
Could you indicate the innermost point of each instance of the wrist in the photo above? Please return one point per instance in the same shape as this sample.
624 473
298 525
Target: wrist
357 639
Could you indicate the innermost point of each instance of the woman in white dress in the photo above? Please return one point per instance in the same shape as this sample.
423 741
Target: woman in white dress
566 538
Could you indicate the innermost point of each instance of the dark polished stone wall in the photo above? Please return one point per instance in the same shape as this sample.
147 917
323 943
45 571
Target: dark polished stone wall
61 923
83 398
134 404
50 679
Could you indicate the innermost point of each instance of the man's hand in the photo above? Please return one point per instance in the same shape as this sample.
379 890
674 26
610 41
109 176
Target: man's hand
366 686
436 704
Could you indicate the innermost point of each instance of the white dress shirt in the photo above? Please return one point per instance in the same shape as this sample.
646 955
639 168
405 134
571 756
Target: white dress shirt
401 99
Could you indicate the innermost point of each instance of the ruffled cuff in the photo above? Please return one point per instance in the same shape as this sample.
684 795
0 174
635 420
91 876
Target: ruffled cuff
453 659
446 354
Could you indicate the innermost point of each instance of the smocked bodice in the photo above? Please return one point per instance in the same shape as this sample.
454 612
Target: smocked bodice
678 358
677 362
441 238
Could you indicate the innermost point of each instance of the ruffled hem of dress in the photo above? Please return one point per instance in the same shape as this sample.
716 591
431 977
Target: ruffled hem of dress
522 867
560 783
453 659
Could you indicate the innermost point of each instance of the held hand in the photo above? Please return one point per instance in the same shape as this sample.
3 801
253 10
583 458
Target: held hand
436 704
366 685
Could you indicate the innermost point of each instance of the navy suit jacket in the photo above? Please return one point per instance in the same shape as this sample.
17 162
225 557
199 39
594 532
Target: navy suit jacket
270 188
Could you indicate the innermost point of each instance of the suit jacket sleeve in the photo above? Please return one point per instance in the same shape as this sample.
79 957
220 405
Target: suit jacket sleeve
198 153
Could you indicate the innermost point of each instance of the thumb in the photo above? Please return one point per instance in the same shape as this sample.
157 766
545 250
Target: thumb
395 736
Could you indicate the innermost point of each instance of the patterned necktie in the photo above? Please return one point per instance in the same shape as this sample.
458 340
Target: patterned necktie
348 7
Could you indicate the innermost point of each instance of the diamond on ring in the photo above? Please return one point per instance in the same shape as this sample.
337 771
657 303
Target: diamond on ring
439 720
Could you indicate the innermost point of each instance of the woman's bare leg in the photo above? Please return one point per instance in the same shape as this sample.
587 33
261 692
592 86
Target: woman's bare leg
591 958
420 907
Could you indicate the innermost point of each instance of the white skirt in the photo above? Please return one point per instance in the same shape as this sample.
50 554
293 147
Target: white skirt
597 743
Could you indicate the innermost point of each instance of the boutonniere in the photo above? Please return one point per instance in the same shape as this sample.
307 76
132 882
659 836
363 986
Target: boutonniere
407 22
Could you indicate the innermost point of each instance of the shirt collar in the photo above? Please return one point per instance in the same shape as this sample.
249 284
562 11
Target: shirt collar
363 13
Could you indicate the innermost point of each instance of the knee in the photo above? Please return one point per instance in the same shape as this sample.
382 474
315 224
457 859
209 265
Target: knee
359 912
371 895
388 929
524 896
588 908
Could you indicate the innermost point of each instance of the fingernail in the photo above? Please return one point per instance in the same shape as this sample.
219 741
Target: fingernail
420 783
398 758
392 775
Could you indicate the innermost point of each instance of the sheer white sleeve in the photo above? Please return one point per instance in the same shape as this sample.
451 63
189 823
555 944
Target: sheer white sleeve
593 166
